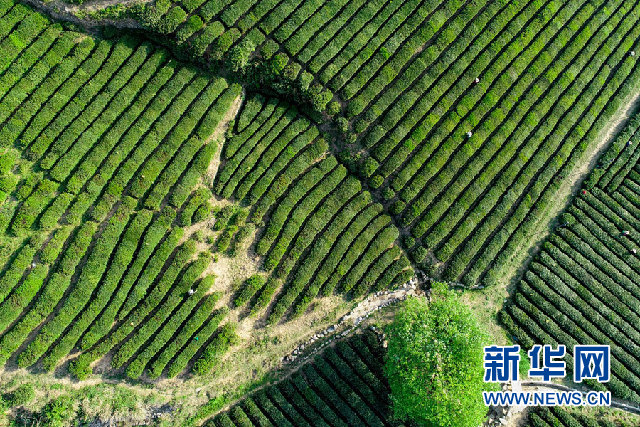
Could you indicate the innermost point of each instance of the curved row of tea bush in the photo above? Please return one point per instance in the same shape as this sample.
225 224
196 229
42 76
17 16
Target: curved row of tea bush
322 231
345 48
464 117
341 386
467 199
114 137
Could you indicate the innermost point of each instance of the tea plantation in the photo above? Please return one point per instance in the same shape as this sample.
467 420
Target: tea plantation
91 129
202 202
342 386
323 232
582 287
113 137
462 117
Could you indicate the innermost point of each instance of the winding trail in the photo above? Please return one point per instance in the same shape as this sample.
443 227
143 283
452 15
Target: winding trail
350 321
96 5
61 11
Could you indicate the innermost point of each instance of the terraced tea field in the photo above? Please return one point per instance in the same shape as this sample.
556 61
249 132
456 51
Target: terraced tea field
462 118
582 285
342 386
345 385
323 233
188 195
115 137
99 124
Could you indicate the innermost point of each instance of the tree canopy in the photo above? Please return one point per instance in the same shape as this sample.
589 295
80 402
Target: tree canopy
434 361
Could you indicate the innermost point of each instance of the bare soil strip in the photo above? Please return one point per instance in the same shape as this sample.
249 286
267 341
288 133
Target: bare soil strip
61 11
218 136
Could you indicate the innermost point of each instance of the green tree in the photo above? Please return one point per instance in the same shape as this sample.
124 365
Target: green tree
434 361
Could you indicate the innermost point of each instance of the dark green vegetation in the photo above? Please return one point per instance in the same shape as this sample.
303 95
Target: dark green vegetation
22 395
104 143
583 285
344 385
385 132
430 373
323 233
463 118
434 361
57 413
560 417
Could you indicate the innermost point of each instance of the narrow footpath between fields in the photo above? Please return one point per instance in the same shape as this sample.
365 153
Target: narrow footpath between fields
59 10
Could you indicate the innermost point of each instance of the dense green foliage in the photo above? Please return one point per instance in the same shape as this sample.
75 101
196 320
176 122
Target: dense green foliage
105 144
582 286
323 233
464 118
434 361
58 412
425 134
22 395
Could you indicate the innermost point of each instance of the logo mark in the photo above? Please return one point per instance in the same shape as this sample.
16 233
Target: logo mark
551 368
501 363
591 362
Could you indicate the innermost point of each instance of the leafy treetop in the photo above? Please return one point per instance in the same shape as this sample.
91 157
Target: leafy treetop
434 361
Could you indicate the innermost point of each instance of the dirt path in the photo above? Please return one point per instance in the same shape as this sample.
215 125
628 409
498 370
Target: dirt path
95 5
551 387
59 10
217 135
489 301
227 269
305 352
350 321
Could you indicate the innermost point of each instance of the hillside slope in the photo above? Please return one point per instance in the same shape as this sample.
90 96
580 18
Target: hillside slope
582 286
462 117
